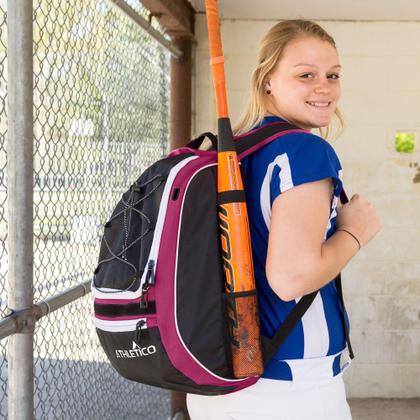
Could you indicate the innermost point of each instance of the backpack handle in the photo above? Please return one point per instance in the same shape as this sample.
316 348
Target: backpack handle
196 143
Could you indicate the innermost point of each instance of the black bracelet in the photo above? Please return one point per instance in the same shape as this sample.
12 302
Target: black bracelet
344 230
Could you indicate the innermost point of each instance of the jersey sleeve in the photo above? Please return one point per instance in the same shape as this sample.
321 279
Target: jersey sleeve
310 158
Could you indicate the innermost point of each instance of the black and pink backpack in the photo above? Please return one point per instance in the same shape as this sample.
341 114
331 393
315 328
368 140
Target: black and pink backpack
159 285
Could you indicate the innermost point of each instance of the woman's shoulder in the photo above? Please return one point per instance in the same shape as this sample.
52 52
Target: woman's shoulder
299 156
300 145
295 134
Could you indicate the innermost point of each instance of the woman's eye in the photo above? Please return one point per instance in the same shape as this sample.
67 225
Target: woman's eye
333 76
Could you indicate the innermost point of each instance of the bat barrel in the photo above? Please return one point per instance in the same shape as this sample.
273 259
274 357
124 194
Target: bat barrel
245 339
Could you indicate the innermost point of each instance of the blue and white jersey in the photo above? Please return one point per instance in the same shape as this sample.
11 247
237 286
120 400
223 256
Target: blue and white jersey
286 162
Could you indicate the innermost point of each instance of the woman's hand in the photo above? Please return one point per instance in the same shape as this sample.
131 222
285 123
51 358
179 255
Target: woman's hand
359 217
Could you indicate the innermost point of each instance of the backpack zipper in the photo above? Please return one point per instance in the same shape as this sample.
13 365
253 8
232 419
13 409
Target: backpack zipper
149 281
139 327
150 276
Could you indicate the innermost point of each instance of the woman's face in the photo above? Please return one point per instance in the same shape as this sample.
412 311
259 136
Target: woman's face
305 85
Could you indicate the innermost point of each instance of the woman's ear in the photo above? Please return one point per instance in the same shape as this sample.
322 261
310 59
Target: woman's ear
268 86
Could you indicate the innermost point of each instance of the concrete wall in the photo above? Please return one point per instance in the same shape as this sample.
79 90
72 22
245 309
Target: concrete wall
381 95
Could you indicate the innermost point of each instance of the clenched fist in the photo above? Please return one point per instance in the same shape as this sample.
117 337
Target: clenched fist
359 217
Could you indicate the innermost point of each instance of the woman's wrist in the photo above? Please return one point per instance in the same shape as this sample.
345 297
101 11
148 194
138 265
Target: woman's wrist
351 234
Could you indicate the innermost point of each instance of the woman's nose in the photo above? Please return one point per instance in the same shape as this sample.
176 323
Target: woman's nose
322 86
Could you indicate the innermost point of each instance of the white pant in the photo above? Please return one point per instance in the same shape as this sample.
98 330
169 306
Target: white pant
270 399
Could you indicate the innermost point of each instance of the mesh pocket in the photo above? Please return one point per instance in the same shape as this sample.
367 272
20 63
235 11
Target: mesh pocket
244 332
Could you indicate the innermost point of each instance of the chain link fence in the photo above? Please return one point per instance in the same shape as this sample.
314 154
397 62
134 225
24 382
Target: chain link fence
100 118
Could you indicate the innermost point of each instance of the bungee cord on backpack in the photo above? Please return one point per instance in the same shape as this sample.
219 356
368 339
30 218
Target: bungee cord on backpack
128 207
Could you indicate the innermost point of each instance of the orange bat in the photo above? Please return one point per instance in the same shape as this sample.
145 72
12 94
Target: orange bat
234 225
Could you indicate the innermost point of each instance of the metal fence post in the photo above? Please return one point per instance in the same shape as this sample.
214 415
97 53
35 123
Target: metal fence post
20 202
180 103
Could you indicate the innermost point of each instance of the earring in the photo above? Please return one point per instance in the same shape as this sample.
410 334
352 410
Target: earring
268 91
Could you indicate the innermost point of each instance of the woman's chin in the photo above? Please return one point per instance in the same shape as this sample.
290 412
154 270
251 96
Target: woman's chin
315 121
321 123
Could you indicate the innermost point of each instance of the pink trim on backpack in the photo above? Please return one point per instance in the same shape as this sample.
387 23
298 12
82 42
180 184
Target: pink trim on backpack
116 301
184 150
177 352
149 296
150 319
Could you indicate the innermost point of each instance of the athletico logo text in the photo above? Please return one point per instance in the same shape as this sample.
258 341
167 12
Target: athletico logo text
136 351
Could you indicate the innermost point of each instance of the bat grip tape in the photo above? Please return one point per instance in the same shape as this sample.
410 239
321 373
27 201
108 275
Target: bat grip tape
233 196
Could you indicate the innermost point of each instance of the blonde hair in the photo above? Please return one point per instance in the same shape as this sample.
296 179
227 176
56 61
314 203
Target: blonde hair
271 51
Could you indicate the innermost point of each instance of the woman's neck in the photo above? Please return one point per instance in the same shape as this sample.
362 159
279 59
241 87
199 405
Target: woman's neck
271 114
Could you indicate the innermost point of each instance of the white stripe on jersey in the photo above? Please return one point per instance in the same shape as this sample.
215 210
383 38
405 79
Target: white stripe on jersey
315 330
282 161
333 206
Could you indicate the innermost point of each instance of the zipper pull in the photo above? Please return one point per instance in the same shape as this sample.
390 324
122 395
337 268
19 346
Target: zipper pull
150 277
149 281
139 326
143 300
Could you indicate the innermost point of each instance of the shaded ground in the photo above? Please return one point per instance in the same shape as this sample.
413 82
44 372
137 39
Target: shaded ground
385 409
80 390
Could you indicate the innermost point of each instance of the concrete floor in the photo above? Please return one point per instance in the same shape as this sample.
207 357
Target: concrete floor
376 409
385 409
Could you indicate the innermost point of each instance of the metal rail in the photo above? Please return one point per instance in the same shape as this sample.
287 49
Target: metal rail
133 15
17 320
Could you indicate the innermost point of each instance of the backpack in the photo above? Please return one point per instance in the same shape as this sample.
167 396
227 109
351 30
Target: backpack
159 294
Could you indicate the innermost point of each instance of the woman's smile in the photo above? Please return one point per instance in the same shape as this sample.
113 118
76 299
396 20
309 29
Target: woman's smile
321 105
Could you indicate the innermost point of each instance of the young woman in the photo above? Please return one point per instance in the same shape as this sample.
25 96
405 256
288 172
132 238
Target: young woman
302 236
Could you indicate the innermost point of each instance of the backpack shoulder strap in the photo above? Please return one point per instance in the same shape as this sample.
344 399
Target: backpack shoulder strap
253 141
343 317
344 199
270 347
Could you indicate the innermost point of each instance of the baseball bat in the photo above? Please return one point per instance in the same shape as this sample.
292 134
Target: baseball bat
242 307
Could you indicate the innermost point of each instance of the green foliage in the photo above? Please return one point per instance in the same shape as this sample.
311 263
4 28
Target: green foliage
405 142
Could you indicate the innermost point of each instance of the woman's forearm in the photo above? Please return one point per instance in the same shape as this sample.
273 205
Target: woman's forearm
316 272
335 254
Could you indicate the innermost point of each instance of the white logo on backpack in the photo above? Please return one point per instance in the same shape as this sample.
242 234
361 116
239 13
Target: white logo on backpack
136 351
